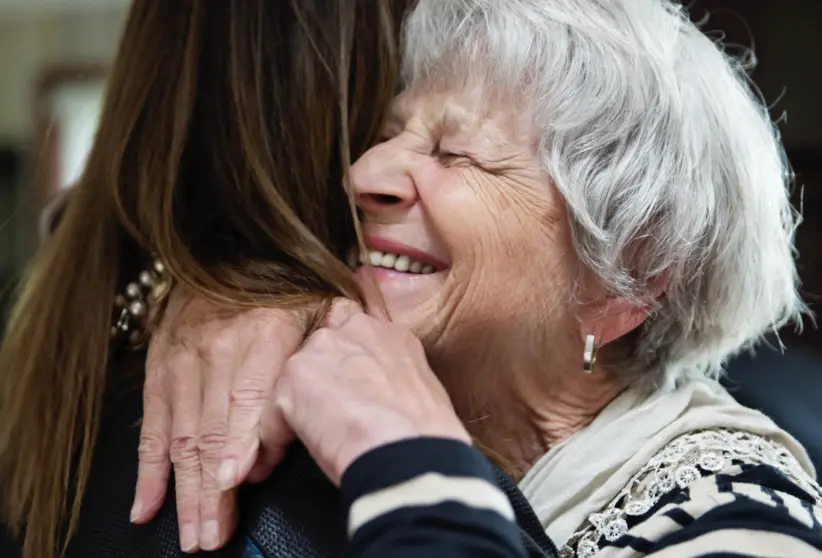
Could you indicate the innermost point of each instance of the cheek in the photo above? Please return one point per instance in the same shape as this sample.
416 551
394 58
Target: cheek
517 227
510 244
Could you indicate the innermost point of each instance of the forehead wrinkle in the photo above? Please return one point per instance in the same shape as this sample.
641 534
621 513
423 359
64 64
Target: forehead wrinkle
467 118
483 131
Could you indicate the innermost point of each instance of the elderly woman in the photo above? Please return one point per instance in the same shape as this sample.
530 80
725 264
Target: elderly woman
580 211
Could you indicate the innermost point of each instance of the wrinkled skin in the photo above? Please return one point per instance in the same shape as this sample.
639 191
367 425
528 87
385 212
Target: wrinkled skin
219 370
502 317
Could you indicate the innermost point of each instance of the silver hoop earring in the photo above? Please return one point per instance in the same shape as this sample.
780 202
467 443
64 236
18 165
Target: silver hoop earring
589 356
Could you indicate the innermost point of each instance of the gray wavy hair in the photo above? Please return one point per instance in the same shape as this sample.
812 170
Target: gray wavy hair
668 161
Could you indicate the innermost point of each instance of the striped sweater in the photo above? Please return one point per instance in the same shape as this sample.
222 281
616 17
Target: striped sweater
427 498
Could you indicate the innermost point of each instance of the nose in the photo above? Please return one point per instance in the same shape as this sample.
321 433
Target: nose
382 182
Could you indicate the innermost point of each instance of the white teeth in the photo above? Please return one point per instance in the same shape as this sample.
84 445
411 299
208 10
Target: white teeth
395 261
403 263
388 261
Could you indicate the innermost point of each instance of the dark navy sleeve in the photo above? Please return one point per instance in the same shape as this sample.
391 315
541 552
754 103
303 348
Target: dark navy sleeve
427 497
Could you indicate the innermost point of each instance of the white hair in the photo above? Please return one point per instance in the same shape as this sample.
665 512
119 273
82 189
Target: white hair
668 161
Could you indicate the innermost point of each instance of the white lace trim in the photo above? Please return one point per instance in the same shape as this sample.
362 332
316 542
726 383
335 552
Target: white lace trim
682 462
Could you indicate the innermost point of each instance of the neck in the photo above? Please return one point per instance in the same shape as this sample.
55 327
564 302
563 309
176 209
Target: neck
525 413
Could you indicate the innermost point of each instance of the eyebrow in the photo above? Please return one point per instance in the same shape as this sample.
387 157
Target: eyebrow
450 122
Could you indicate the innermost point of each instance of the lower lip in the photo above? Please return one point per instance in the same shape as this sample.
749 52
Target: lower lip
385 274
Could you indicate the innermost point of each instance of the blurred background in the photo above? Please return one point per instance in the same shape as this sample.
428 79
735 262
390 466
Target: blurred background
54 55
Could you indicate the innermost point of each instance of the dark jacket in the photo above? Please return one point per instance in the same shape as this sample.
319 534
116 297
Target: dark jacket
297 513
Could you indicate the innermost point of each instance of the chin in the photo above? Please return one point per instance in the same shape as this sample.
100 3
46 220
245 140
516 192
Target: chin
411 300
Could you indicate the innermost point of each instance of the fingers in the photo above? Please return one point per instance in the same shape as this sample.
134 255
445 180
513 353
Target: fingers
154 467
276 435
270 456
250 394
347 323
217 508
153 452
263 468
185 456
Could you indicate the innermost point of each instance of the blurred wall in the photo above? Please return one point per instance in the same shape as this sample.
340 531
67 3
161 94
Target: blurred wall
31 42
38 36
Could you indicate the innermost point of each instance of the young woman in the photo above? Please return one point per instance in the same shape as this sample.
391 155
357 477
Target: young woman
225 134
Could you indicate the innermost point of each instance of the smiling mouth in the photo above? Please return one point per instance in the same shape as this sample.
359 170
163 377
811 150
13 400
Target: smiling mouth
393 262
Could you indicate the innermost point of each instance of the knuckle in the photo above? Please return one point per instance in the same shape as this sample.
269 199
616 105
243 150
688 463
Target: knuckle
346 306
212 347
409 340
212 439
324 337
266 321
152 448
184 452
221 343
295 366
361 322
250 392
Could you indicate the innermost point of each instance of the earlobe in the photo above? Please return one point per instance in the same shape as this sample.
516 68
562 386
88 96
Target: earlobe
609 317
613 319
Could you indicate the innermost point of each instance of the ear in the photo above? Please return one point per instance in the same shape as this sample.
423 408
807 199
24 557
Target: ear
611 318
608 317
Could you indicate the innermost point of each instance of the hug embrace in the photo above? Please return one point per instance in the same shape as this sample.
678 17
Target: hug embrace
410 278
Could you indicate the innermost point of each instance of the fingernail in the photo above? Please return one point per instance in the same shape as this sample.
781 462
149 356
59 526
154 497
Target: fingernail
136 511
188 538
210 535
227 474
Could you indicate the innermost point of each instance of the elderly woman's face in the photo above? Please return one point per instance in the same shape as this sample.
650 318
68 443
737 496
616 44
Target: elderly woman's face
469 240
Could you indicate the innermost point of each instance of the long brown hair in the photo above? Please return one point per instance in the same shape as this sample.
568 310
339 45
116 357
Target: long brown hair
226 132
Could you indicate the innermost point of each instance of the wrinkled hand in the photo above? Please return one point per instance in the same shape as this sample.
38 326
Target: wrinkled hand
209 377
357 384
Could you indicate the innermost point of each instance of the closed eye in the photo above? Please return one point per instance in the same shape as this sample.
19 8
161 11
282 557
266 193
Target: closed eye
449 158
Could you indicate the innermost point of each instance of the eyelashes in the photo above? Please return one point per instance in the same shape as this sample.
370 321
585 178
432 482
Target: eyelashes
444 156
449 158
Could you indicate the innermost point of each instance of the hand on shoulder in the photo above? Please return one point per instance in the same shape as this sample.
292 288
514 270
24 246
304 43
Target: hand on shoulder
357 384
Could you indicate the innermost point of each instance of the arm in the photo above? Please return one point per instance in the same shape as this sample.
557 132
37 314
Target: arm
756 513
743 519
362 398
427 497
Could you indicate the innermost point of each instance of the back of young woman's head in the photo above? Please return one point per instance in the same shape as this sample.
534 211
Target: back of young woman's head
225 136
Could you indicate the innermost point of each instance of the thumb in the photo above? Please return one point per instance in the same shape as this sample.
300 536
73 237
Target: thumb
275 438
276 435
